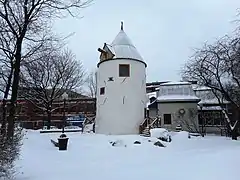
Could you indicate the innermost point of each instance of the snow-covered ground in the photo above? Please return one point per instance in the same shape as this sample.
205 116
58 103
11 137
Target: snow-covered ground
92 157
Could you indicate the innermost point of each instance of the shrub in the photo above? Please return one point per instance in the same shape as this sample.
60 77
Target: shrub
9 153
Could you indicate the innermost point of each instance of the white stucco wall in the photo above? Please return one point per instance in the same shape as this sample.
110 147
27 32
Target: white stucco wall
188 122
121 109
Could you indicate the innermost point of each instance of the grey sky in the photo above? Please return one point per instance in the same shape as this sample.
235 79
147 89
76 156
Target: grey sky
164 32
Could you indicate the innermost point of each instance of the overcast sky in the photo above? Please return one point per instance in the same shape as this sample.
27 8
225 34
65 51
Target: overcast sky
164 32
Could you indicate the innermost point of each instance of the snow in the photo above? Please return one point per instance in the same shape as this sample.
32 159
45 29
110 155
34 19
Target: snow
122 47
159 133
212 101
210 108
180 136
152 86
66 129
176 91
207 96
166 98
152 94
173 83
200 88
92 157
88 127
149 103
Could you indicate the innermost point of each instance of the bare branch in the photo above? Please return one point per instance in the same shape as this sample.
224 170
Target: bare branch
217 66
46 79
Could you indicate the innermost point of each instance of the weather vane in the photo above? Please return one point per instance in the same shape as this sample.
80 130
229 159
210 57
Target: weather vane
121 25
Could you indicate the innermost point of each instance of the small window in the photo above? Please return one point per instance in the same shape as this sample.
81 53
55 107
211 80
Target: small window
110 78
167 119
102 90
124 70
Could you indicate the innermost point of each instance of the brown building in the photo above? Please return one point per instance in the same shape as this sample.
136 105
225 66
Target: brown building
31 117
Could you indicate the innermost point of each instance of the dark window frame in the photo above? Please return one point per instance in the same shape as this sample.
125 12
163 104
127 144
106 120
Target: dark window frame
122 70
167 119
102 90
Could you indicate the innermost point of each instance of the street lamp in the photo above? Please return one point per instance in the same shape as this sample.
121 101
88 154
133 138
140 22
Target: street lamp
64 97
63 139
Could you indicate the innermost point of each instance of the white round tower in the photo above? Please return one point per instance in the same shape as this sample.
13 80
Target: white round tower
121 87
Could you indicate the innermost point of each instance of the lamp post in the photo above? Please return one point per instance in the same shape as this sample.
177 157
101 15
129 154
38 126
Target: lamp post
64 97
63 139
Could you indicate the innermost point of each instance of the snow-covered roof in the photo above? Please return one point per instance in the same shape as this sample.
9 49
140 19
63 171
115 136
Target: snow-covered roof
176 92
153 86
212 101
123 48
177 98
200 88
149 103
207 96
172 83
210 108
152 94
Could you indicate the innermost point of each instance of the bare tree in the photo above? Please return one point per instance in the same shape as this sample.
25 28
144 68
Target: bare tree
217 66
91 82
46 79
188 119
6 72
25 21
7 64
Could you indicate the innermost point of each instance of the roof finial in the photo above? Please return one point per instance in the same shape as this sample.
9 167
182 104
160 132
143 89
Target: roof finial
121 25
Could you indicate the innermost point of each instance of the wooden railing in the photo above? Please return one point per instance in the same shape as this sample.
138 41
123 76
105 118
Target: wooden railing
155 123
89 120
150 123
143 125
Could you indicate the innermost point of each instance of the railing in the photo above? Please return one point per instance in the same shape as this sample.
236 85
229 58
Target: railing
150 123
143 125
89 120
155 123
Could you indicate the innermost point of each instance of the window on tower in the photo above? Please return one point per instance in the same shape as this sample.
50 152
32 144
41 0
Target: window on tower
102 90
124 70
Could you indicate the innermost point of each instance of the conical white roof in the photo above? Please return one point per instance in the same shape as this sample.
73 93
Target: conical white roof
122 47
122 39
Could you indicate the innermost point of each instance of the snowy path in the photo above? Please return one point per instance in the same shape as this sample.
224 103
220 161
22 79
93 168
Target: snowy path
92 157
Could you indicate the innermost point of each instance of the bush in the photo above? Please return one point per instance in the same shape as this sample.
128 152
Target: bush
9 153
161 133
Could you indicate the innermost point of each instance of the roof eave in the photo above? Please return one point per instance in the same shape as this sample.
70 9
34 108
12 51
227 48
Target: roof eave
121 59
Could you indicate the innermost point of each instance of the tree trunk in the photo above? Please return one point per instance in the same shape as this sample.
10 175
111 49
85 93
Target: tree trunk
49 117
234 135
234 132
3 127
15 84
4 109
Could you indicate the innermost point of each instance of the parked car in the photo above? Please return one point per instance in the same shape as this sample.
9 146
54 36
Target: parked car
75 120
72 127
